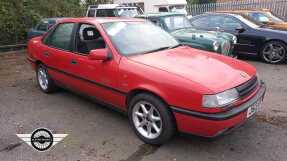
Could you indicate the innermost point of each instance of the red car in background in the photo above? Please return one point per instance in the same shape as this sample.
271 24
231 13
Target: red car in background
136 67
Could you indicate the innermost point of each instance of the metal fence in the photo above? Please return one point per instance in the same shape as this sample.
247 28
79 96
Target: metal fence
278 7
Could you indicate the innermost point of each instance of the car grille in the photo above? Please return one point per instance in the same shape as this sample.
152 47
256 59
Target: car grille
247 87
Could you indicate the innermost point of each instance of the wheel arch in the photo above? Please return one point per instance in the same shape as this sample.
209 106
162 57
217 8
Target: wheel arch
37 62
270 40
137 91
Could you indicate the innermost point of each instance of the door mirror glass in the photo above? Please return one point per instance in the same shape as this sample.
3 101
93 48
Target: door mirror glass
99 54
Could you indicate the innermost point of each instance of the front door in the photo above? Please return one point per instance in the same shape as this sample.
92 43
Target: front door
96 78
245 43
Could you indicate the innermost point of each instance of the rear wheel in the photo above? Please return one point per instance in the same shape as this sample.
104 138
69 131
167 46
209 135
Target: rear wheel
151 119
45 82
274 52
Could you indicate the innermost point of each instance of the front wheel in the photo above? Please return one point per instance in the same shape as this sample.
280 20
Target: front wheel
151 119
274 52
45 82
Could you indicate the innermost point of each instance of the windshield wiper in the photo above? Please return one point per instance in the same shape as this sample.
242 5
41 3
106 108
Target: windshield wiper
162 48
155 50
178 45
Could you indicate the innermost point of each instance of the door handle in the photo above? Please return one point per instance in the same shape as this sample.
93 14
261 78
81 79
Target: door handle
46 53
73 61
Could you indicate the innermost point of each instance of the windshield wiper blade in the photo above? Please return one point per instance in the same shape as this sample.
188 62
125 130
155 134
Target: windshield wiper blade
178 45
159 49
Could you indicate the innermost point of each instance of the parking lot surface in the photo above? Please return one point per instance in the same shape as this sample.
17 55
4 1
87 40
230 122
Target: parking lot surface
99 134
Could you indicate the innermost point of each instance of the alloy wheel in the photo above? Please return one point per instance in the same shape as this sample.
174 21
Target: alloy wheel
147 120
274 52
43 78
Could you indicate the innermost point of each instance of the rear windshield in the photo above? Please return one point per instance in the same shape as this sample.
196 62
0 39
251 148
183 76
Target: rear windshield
106 13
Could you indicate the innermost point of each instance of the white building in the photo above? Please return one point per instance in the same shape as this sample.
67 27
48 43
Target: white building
149 6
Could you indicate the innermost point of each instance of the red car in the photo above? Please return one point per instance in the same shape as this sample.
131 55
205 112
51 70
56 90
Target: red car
136 67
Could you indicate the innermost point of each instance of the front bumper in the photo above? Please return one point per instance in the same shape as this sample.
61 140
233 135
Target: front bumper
211 125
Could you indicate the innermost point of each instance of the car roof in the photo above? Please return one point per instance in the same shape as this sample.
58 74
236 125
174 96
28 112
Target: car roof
100 20
161 14
54 18
243 11
217 13
110 6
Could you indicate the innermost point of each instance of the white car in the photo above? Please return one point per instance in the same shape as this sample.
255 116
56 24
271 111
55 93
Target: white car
112 10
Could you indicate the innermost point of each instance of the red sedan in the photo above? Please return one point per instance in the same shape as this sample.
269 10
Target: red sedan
136 67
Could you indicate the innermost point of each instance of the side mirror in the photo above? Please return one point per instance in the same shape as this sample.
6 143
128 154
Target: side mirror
240 29
99 54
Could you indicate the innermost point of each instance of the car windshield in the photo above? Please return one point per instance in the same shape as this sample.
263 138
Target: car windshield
273 18
176 22
132 38
132 12
264 17
178 8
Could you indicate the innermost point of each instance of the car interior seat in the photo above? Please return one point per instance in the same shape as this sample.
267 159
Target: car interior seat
90 40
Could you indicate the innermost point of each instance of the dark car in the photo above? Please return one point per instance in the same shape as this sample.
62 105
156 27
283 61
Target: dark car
253 38
42 27
263 17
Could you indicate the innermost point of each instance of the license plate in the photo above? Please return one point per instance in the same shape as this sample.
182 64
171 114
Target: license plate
254 108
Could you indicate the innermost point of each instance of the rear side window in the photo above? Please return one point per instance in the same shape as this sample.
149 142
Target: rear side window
200 22
162 9
106 13
91 13
43 26
215 21
61 37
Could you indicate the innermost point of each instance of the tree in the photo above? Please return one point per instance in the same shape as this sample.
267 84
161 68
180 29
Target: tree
17 16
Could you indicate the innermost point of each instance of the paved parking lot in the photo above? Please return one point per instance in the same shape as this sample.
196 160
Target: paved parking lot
99 134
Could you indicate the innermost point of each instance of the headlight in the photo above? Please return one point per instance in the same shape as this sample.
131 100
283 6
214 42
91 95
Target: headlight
226 48
216 46
234 39
220 99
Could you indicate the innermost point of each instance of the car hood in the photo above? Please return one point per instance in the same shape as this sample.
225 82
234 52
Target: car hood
215 72
278 26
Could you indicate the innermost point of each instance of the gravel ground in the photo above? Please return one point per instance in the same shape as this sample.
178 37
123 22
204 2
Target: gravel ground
99 134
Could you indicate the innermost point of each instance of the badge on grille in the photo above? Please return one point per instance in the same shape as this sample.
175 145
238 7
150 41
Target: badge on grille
244 75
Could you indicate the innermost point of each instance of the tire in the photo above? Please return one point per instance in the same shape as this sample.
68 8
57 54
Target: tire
45 82
274 52
161 117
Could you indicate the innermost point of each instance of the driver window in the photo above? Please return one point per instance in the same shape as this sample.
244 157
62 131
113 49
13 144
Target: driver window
89 38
